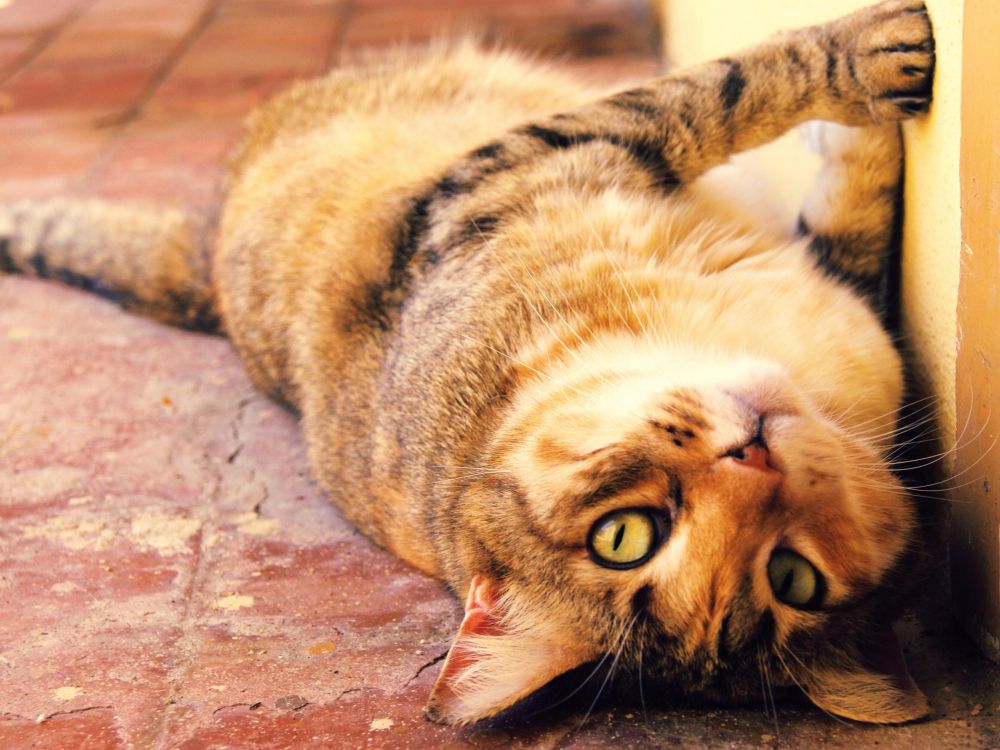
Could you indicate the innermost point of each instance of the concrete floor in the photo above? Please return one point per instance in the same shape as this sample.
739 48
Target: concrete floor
170 576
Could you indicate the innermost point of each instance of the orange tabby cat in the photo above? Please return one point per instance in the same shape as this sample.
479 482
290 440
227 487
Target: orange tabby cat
534 359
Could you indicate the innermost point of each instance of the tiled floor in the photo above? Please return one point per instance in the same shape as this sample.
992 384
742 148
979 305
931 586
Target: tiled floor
169 575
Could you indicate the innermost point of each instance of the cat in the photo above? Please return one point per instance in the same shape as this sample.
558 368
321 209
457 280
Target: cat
533 358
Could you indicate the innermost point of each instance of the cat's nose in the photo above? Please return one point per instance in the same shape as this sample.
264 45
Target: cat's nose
754 456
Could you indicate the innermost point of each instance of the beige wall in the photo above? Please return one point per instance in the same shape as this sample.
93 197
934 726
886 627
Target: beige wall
696 30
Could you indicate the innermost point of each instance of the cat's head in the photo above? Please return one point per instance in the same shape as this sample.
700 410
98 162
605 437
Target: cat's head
698 524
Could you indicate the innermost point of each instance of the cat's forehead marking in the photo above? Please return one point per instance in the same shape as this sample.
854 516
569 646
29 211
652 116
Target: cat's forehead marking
635 477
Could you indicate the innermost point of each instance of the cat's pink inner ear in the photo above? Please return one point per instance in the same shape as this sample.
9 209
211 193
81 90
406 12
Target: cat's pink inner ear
480 619
494 661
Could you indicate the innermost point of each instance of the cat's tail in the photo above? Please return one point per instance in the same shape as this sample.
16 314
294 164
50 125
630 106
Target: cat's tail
155 262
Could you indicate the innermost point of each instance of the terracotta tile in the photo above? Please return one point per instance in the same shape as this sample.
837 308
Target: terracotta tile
172 160
30 16
13 51
154 18
220 94
366 718
239 61
106 61
94 729
46 154
411 24
98 85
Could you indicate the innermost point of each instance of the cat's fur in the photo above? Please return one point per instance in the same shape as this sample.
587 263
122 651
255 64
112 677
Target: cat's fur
502 309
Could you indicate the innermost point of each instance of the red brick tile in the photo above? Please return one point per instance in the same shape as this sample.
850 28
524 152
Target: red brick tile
107 60
46 154
220 93
75 85
365 718
155 18
31 16
175 161
95 730
239 61
411 24
13 50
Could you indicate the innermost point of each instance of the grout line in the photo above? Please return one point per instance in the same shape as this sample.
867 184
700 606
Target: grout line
344 14
121 122
43 41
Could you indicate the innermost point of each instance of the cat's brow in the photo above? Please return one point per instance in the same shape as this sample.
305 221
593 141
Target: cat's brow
607 482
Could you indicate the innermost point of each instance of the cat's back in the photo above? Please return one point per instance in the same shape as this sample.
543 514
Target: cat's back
326 173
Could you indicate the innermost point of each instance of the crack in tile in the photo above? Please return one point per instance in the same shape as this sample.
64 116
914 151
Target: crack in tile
430 663
42 718
250 706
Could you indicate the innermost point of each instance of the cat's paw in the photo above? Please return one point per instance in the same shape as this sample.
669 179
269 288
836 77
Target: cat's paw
891 57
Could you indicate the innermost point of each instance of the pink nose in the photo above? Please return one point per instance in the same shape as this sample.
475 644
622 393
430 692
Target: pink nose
753 456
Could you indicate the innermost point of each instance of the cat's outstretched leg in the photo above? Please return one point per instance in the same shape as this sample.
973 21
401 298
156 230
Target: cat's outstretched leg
850 216
875 65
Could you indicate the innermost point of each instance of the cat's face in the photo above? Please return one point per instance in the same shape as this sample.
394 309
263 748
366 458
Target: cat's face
698 524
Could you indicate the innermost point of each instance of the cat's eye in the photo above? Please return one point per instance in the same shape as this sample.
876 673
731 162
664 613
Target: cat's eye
794 580
626 538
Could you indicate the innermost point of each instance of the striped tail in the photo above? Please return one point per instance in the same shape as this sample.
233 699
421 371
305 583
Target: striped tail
155 262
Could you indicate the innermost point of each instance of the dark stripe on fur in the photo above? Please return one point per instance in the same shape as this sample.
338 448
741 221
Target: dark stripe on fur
97 286
199 314
480 227
732 86
489 151
379 299
637 101
640 600
449 187
921 47
796 61
823 247
648 154
411 232
556 139
6 262
613 482
831 69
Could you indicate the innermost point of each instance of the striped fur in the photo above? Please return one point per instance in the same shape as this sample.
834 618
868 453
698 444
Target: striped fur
503 306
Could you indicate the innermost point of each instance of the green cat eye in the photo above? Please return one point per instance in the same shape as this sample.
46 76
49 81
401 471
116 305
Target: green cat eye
626 538
794 580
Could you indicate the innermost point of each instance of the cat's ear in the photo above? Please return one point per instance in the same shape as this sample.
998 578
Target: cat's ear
870 684
502 653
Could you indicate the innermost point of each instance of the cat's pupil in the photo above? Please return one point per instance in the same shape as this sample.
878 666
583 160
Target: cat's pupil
619 537
786 583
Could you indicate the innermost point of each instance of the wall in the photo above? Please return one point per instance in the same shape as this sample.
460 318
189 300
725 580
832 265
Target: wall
975 546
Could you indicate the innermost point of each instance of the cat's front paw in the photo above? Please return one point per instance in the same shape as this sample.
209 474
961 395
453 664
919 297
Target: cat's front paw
891 57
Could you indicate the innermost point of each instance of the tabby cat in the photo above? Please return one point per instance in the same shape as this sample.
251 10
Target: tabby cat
533 357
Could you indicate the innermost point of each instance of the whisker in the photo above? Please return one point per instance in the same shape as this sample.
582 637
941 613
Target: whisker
611 670
774 703
791 675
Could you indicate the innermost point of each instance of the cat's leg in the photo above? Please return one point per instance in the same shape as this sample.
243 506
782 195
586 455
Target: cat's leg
850 216
874 65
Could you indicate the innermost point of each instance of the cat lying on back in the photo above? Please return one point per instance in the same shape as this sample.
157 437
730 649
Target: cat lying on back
531 359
